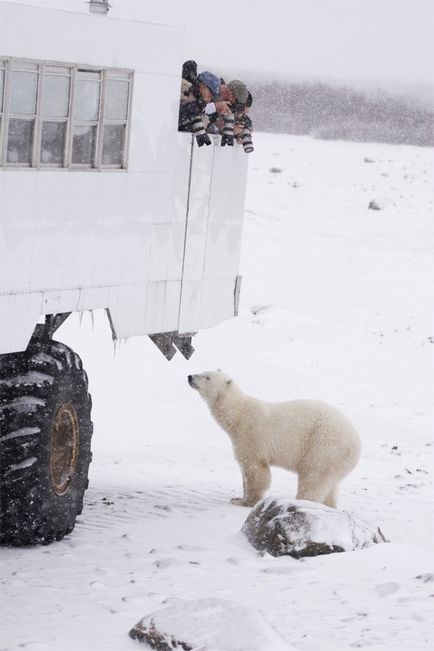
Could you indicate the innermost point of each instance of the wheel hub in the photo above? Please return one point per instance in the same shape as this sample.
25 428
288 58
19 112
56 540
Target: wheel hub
65 435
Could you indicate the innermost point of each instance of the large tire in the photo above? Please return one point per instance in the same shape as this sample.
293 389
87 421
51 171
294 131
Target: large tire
45 434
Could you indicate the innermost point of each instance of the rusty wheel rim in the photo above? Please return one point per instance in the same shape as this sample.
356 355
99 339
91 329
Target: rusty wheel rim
64 448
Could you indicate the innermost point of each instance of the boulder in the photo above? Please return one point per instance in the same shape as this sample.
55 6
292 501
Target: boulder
300 528
208 624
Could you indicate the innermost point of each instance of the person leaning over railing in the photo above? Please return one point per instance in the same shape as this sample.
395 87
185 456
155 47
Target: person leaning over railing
230 116
197 91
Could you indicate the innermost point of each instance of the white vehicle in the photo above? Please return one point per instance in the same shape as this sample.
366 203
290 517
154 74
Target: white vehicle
103 204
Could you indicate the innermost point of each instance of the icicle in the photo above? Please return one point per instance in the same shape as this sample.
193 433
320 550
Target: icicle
92 318
116 346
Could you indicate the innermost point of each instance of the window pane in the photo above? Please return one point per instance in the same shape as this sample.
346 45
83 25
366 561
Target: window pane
60 70
116 100
83 145
86 100
26 65
113 144
53 142
20 141
23 92
56 96
2 78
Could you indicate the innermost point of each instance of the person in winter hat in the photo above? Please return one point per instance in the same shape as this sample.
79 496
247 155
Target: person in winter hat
196 92
238 91
232 97
189 71
211 83
231 114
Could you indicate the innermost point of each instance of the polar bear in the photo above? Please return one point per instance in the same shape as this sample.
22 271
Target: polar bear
308 437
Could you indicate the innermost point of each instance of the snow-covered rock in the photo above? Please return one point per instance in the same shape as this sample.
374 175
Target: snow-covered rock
375 205
301 528
208 624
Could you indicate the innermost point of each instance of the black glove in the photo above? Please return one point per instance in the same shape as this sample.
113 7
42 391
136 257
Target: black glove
228 130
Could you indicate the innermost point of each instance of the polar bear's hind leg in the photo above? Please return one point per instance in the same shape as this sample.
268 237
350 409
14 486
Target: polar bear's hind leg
332 498
316 489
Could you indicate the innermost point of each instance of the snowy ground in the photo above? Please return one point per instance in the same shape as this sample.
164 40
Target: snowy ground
336 304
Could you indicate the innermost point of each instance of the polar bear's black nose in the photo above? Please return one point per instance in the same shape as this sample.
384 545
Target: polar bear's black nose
192 382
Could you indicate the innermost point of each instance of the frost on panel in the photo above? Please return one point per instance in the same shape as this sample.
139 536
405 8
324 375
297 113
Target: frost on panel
2 79
20 141
53 142
113 144
83 147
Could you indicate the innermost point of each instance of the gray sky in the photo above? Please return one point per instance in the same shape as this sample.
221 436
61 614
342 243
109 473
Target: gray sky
360 40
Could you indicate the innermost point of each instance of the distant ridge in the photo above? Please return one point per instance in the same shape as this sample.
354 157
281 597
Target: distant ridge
341 113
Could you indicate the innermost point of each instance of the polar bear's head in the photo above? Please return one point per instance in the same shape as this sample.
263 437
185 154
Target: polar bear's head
211 385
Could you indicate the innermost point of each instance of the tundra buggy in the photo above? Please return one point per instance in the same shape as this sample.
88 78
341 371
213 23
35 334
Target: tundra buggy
103 205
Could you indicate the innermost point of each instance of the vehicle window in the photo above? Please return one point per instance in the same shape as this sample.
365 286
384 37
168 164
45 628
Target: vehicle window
53 138
87 92
55 98
24 86
20 141
116 102
63 115
2 81
22 112
2 78
83 147
113 144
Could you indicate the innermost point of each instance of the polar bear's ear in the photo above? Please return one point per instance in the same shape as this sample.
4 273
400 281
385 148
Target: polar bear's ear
228 382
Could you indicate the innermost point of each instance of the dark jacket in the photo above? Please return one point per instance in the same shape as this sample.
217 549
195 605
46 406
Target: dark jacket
191 104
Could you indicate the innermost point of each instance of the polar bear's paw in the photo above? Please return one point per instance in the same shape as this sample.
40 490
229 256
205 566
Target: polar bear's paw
240 501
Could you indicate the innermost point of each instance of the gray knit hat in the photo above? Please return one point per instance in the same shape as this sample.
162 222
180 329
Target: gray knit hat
239 91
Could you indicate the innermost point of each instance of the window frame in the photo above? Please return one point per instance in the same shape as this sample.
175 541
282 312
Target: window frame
3 111
117 75
42 118
73 72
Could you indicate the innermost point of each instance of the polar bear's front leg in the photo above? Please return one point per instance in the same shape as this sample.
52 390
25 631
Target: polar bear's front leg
256 480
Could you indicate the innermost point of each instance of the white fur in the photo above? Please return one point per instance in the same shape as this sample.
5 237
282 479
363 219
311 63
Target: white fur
308 437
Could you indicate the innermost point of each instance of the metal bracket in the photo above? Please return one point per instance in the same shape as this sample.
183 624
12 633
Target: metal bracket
99 7
168 342
237 290
53 322
44 331
183 344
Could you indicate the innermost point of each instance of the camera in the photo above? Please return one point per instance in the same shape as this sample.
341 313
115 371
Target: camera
245 136
246 140
198 128
228 130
